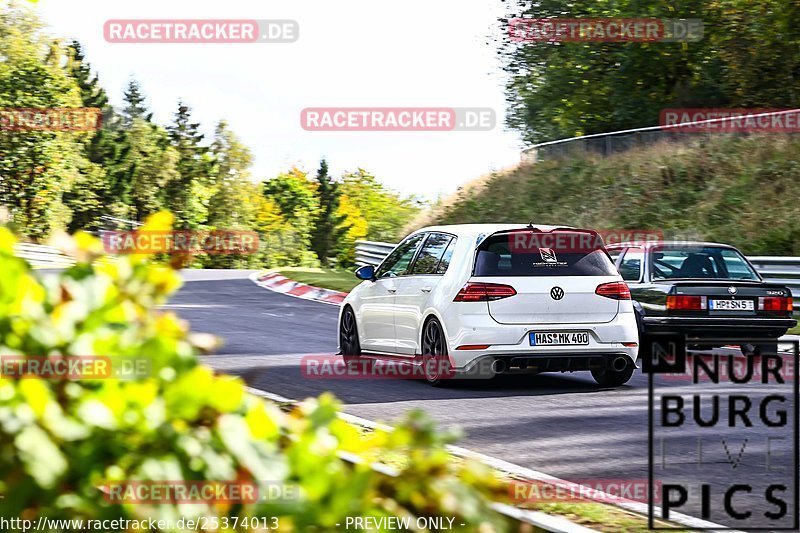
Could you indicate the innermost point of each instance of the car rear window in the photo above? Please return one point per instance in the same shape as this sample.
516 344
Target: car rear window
700 262
498 257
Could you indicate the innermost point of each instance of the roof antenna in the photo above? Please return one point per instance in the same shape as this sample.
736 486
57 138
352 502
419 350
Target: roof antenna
530 224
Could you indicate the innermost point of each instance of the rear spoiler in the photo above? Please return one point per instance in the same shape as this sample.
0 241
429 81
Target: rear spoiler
598 242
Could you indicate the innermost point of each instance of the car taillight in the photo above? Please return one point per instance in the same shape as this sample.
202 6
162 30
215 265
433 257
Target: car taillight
775 303
683 302
484 292
617 290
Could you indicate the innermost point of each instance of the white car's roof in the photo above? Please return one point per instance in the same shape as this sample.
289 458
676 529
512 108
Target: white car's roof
473 230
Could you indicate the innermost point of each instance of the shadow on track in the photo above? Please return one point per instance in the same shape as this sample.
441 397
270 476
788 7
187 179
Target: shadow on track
288 381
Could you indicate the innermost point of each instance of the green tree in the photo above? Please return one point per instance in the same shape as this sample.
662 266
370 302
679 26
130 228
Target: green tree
193 169
36 167
328 228
135 104
228 206
294 194
232 161
89 196
372 212
151 167
104 146
127 143
749 57
92 93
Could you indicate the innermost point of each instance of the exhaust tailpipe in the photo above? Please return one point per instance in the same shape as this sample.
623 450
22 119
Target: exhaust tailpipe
498 366
619 363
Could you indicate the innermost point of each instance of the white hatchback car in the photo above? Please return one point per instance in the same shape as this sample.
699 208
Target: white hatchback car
481 299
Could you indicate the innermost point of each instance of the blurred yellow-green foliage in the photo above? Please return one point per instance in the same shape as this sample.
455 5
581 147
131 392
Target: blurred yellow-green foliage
62 439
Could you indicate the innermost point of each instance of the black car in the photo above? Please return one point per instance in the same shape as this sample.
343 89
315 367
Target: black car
702 290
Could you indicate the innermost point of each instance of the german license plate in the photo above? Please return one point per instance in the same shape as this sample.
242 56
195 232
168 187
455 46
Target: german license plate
559 338
731 305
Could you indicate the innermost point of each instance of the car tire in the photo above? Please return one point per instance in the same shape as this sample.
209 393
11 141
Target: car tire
435 362
645 347
608 377
348 335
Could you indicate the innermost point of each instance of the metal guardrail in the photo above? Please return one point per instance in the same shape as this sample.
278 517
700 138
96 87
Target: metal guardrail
41 256
121 221
371 252
783 270
619 141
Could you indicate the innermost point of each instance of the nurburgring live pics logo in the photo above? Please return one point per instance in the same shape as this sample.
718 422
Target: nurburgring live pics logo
739 368
734 435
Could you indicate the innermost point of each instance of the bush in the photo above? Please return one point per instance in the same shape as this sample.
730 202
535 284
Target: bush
63 440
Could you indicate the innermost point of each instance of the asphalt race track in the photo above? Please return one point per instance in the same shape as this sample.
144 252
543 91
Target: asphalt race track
561 424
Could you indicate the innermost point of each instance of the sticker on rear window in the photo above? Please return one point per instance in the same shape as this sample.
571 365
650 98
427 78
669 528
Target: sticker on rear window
548 255
549 259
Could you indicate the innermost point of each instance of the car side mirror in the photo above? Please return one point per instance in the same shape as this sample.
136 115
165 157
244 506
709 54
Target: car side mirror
366 272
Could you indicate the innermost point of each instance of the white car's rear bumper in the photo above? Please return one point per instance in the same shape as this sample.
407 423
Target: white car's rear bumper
508 341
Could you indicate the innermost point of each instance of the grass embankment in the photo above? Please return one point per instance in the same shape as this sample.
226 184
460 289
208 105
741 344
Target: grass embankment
327 278
742 191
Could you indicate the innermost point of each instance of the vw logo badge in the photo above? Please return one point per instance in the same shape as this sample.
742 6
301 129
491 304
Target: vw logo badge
556 293
732 290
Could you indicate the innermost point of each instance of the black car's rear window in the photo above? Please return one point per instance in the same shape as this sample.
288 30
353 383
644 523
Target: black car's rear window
700 262
498 256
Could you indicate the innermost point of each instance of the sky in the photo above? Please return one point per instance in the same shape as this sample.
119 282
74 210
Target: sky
350 53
